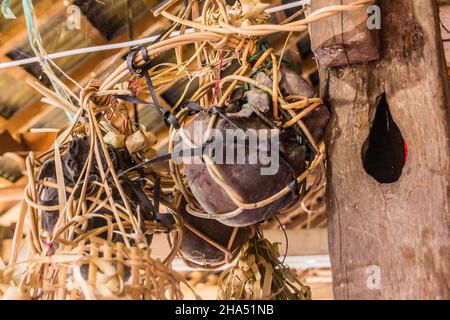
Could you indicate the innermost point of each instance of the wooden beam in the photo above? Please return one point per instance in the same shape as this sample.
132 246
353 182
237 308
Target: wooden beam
23 119
344 38
392 240
2 122
9 144
28 141
300 242
27 116
17 31
10 216
8 207
12 193
311 242
93 65
293 262
444 12
17 73
5 250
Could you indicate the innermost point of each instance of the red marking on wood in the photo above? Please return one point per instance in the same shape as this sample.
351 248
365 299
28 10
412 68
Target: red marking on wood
405 151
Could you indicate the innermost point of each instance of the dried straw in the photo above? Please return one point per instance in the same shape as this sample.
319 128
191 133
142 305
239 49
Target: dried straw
260 275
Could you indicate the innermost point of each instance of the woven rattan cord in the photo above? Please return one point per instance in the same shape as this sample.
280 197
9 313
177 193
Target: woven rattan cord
216 34
230 254
122 215
89 254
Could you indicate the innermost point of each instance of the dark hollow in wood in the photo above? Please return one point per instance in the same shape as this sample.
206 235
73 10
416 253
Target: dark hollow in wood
384 151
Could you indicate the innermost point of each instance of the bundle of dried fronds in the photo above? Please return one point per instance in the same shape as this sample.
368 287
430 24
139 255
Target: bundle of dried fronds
91 271
76 190
76 200
259 274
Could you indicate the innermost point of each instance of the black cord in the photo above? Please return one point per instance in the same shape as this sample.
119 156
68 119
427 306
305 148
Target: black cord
286 237
443 25
129 10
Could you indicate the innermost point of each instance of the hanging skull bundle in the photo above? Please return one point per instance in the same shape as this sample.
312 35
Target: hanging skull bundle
89 222
72 163
245 187
207 242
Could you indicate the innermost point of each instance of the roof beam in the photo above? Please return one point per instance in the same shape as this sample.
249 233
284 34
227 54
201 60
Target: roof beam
17 31
37 110
11 193
24 118
312 242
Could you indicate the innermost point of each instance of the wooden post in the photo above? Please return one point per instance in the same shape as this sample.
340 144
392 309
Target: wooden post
391 240
344 38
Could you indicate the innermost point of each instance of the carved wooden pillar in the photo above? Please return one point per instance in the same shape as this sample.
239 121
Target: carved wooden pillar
390 240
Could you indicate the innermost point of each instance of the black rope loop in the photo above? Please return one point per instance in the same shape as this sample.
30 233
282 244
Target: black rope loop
143 71
193 108
132 67
145 56
168 156
294 187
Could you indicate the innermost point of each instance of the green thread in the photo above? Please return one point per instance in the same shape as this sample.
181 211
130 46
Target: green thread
36 44
6 11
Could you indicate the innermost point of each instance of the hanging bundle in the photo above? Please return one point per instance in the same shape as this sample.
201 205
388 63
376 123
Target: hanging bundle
259 275
92 203
243 193
88 226
260 93
208 243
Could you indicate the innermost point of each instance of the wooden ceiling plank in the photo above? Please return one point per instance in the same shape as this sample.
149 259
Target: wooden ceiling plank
11 193
17 32
301 242
37 110
18 73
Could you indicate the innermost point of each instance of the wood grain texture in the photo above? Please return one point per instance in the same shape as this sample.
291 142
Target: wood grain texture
344 38
403 227
444 11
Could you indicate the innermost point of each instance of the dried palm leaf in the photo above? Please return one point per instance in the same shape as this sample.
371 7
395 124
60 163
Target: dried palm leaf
259 274
92 271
